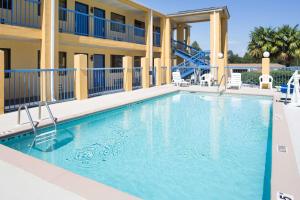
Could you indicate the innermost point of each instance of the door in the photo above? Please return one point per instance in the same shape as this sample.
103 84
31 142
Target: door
99 23
81 19
99 72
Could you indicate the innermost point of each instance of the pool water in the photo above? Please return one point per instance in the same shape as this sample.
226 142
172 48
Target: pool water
178 146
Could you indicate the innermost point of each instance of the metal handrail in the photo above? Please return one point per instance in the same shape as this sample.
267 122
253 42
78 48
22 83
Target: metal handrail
225 84
28 115
54 119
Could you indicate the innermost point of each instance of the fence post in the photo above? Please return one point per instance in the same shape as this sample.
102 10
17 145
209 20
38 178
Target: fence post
2 82
128 68
145 72
158 75
80 63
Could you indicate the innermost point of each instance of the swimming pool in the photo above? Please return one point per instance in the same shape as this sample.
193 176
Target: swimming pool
178 146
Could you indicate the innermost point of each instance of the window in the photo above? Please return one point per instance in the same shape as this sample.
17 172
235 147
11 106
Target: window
62 62
62 12
7 63
140 30
6 4
137 61
118 23
116 62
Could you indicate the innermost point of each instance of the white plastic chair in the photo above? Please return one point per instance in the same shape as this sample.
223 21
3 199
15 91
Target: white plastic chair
235 80
177 80
206 79
266 80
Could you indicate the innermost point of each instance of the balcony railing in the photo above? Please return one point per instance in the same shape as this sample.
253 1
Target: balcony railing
23 86
105 80
21 13
78 23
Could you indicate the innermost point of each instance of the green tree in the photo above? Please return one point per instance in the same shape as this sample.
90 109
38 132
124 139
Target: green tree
283 43
287 44
195 45
261 40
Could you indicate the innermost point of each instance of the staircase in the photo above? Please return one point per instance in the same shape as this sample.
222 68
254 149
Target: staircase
193 58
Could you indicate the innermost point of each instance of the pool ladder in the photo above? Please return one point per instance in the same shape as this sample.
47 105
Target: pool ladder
43 137
225 85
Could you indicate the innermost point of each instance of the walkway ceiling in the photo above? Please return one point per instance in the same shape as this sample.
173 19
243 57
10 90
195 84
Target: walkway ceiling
199 15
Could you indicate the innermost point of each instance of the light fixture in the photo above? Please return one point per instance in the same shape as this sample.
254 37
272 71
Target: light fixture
220 55
266 54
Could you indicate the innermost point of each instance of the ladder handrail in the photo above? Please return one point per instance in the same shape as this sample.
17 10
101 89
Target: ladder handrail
225 83
28 115
49 112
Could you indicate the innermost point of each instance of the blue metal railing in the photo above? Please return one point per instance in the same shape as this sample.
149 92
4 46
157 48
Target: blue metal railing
25 13
183 47
136 77
88 25
23 86
105 80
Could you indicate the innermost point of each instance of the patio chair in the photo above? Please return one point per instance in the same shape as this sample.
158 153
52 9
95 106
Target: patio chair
206 79
235 81
265 80
178 81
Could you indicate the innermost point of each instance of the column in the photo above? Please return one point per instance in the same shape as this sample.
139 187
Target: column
128 67
180 38
224 33
157 64
2 82
215 38
49 47
145 72
81 87
168 50
188 35
265 66
149 37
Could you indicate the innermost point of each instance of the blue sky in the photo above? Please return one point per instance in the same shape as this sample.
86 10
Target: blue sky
245 15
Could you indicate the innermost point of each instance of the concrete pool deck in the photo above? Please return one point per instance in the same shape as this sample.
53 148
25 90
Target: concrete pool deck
62 183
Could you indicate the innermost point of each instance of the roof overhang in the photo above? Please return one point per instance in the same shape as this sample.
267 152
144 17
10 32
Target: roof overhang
199 15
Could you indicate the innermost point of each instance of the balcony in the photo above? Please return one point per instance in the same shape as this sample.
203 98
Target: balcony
74 22
24 13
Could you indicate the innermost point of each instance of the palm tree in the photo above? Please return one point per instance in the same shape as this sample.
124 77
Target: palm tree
261 40
287 44
283 43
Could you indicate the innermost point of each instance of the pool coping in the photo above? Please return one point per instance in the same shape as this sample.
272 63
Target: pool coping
284 178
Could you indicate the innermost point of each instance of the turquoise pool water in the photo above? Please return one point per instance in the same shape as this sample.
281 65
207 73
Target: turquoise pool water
178 146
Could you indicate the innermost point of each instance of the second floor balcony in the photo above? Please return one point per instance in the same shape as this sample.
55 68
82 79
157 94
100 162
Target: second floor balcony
26 13
78 23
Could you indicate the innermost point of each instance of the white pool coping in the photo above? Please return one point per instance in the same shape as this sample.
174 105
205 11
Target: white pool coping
285 176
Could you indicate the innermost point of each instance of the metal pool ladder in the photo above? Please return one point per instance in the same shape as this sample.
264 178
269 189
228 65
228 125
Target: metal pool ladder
50 135
29 117
225 85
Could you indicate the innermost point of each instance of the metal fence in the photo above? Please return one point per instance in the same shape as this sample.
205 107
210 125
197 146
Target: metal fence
136 77
21 13
23 86
105 80
78 23
250 75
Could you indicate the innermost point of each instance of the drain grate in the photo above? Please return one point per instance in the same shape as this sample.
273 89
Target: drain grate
282 148
284 196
